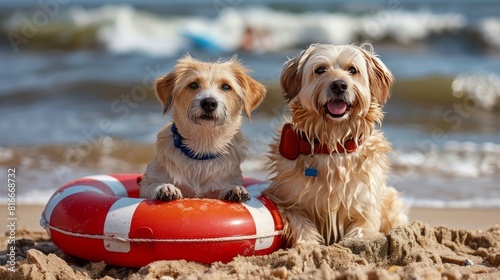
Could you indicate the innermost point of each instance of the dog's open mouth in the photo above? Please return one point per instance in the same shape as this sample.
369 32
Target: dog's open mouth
337 108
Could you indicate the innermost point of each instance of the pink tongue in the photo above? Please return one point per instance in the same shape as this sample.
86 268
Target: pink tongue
337 107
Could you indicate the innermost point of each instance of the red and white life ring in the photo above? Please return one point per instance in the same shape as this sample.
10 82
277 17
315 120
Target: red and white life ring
101 218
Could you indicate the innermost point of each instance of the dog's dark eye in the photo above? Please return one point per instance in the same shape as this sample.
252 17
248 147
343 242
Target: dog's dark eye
352 70
194 85
226 87
320 70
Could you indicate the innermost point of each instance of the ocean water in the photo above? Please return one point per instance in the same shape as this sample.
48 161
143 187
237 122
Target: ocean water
76 80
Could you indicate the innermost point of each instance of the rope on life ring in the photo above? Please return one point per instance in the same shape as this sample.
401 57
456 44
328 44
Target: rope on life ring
101 218
166 240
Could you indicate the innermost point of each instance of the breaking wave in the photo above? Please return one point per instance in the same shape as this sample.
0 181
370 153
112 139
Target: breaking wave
124 29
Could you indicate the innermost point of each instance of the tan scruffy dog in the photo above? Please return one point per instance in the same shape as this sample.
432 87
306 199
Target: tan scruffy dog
199 153
329 166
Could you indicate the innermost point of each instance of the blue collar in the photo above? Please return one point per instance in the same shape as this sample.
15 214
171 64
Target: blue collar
178 143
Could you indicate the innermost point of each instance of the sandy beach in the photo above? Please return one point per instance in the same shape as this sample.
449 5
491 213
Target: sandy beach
436 245
77 97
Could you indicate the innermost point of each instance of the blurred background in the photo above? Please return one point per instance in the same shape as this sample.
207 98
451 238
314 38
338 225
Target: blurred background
76 80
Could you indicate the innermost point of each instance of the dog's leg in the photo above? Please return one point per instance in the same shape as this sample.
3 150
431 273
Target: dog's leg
361 224
154 185
167 192
234 194
394 212
361 232
299 229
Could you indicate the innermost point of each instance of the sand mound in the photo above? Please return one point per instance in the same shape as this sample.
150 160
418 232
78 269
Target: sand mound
413 252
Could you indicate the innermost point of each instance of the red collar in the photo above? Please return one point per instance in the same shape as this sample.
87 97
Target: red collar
294 143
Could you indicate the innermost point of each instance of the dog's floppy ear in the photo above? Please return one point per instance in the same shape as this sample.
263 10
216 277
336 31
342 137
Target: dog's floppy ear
381 78
164 87
291 79
253 91
254 95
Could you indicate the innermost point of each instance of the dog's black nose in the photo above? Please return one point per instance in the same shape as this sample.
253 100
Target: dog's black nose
338 87
208 104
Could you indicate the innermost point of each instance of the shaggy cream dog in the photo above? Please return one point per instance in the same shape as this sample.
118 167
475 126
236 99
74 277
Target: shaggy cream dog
199 153
329 166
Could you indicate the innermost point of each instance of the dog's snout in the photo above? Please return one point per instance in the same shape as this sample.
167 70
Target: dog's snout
338 87
208 104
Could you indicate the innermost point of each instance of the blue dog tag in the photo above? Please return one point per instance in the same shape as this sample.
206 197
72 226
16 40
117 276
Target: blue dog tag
311 172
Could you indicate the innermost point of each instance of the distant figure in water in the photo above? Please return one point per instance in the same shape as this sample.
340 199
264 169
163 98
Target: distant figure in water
256 39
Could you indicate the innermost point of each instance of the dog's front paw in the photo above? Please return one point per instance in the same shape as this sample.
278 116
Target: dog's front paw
167 192
235 194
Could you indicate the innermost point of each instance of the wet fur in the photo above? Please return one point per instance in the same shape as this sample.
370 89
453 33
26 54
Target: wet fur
350 196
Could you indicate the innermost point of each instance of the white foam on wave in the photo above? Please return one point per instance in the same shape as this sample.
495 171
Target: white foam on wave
406 27
458 159
271 30
489 29
33 197
123 28
482 87
479 202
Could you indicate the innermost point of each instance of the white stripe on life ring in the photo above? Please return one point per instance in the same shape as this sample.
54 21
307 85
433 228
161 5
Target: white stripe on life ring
114 184
58 197
118 222
264 223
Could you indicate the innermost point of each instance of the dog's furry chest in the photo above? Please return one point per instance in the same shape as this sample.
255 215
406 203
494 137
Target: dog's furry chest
342 179
202 176
347 185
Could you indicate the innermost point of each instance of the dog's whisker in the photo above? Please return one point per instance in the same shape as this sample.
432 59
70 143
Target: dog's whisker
224 119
